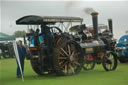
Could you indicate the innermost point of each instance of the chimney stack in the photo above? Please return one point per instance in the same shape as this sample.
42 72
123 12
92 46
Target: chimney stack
110 26
95 23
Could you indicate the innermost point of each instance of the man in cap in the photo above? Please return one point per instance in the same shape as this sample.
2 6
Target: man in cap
22 54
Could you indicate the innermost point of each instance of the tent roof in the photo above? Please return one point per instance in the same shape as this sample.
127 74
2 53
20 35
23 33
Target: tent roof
5 37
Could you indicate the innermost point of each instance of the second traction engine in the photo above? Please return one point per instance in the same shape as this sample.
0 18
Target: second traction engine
97 47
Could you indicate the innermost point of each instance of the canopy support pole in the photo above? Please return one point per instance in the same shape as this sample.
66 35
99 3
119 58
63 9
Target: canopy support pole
17 58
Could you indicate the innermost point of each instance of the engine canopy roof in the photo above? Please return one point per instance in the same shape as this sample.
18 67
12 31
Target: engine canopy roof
38 20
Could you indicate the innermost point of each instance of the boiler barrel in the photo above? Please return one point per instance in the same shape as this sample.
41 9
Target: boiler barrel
95 43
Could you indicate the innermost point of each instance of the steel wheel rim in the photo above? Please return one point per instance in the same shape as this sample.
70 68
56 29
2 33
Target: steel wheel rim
68 58
109 61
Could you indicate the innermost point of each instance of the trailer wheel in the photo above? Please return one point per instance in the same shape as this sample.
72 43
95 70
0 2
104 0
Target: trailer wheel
68 58
89 63
110 61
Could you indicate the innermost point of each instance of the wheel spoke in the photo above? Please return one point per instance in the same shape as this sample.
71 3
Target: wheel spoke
58 41
73 53
110 66
72 69
66 69
75 62
90 65
61 58
62 54
69 50
87 66
64 64
64 51
61 62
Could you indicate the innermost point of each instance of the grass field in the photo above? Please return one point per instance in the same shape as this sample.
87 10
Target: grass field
98 76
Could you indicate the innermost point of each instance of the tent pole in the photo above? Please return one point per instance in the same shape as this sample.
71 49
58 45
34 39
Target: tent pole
17 58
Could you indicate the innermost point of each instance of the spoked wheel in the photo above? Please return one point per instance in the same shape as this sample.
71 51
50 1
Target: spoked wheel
6 55
110 61
37 67
89 63
68 59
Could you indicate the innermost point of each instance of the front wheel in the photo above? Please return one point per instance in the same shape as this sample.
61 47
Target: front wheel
110 61
89 62
37 68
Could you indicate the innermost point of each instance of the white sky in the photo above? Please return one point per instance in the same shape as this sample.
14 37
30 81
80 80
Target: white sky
11 10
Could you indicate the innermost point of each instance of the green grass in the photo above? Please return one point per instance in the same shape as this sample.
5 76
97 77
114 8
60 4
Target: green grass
98 76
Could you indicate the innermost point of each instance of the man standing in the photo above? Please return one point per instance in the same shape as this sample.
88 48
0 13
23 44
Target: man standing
22 54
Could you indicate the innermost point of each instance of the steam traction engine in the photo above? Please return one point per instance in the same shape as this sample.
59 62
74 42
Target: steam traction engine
51 48
98 47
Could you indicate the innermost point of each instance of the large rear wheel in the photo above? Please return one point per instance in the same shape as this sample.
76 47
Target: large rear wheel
68 58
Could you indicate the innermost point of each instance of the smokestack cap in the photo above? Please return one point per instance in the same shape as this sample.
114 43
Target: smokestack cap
109 19
94 13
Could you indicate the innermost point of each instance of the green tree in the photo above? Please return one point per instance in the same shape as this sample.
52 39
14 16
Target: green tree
19 34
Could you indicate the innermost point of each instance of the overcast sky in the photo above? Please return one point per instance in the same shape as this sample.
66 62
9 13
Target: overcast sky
12 10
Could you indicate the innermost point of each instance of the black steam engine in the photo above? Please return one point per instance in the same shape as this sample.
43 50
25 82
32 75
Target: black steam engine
98 47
